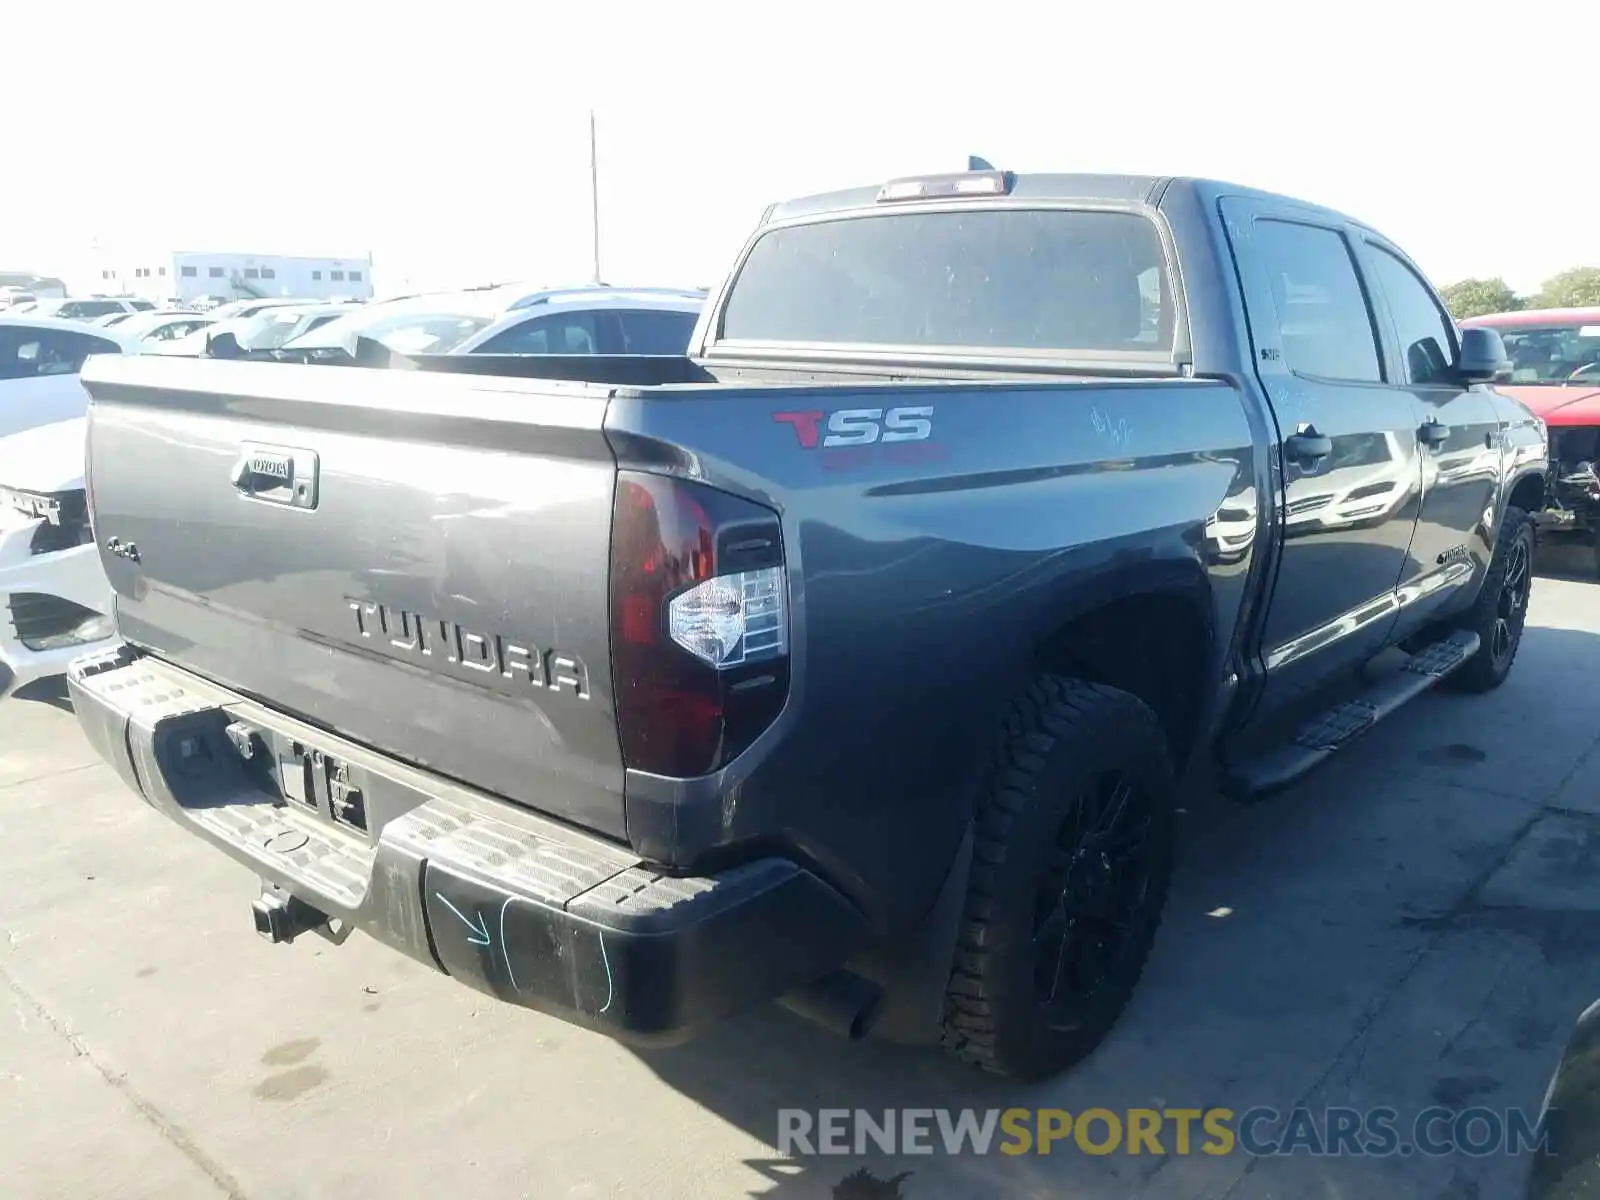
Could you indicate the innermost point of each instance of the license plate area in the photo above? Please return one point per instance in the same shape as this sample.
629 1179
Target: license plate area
302 776
314 780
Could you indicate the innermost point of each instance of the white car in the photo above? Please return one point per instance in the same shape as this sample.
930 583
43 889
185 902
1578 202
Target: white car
513 319
592 321
39 363
266 330
155 328
89 308
257 304
54 592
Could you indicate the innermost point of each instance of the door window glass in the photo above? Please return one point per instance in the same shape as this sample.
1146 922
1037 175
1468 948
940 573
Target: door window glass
563 333
1324 323
1427 345
26 353
647 332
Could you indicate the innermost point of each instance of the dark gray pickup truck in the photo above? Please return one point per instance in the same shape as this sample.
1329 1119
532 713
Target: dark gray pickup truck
849 661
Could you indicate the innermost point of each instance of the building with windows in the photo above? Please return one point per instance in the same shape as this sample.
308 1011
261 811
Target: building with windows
190 274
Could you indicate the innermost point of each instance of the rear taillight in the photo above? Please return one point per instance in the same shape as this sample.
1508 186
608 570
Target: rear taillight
699 623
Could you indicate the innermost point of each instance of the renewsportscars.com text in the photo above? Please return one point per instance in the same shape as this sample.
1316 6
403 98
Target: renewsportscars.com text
1260 1131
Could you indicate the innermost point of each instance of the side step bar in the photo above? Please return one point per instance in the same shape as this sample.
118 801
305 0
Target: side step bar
1325 735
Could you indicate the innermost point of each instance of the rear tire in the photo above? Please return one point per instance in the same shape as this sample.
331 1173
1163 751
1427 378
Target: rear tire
1070 869
1501 609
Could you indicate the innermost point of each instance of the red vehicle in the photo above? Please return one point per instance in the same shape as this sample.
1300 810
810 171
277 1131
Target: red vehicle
1555 371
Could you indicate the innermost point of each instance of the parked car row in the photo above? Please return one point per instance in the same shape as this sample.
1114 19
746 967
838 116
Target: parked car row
50 578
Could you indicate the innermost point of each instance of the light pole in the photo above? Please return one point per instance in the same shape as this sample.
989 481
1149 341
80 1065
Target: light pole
594 195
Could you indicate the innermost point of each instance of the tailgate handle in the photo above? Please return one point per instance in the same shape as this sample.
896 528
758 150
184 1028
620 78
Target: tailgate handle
277 474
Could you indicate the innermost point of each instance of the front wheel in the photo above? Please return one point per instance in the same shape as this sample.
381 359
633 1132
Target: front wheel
1501 610
1069 877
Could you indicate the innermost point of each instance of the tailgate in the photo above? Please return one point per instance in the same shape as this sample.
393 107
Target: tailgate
415 561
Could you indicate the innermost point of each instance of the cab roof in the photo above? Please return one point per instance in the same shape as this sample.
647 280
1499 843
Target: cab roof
1132 191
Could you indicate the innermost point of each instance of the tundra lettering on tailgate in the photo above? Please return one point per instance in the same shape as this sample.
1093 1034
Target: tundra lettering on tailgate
431 641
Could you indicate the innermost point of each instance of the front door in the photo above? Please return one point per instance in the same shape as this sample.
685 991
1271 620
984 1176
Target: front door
1460 434
1350 462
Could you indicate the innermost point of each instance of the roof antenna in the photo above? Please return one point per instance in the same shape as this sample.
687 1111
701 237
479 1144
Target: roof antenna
974 163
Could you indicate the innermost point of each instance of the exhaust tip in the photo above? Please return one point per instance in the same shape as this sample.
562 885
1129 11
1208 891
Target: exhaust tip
842 1002
867 1017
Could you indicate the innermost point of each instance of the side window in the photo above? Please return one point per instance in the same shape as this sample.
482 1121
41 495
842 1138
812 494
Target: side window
79 310
19 352
62 353
1323 318
1426 340
655 332
26 353
562 333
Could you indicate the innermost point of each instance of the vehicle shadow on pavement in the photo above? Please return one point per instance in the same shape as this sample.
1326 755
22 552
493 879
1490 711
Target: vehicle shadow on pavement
51 691
1566 559
1416 925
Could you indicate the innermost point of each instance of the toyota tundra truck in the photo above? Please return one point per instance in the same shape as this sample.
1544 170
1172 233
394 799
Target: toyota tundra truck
849 661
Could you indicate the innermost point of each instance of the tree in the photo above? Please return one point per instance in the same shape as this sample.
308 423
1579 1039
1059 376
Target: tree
1578 287
1479 297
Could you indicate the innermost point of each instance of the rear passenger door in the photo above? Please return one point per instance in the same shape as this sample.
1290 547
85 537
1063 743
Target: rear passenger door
1348 462
1459 429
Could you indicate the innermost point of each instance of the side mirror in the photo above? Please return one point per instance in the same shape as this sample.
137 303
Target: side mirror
1483 356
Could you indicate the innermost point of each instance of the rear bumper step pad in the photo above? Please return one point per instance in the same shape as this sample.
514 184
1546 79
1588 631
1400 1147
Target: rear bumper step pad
501 899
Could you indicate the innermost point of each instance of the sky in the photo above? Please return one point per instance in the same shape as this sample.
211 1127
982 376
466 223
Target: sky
452 141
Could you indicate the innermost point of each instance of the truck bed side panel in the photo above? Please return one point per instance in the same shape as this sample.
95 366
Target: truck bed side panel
925 574
438 594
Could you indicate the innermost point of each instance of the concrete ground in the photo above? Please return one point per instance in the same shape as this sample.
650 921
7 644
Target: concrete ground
1418 924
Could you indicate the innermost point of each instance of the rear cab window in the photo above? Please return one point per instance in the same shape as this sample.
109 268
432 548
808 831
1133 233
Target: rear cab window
1062 282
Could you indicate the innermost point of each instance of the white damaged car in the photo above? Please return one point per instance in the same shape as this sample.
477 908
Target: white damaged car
55 600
